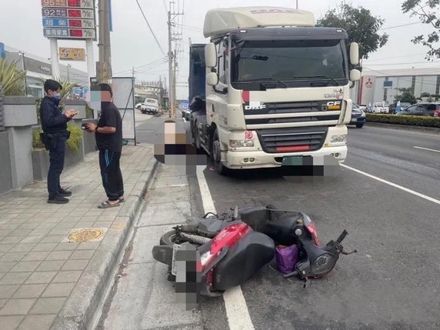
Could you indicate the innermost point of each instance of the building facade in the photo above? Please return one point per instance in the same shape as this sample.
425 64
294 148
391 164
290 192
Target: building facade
385 85
38 70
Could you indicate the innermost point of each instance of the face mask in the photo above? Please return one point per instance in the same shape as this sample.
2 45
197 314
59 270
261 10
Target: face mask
57 96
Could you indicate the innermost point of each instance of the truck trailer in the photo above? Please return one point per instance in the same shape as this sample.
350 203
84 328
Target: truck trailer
271 89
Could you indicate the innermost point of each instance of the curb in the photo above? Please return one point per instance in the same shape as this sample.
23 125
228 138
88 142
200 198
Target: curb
79 310
404 127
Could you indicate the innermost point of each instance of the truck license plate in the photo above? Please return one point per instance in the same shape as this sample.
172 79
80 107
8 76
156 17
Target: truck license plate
293 161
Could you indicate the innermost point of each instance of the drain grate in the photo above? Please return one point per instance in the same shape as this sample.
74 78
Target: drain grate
82 235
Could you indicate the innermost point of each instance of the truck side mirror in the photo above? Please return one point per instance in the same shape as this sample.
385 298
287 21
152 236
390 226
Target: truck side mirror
355 75
354 53
212 79
210 56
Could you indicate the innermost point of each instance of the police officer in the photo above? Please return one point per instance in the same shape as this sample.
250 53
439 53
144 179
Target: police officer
55 135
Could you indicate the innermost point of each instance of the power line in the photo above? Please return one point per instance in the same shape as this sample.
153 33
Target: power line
401 25
164 59
149 26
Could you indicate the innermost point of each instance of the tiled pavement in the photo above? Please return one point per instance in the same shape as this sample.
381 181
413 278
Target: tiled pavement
41 273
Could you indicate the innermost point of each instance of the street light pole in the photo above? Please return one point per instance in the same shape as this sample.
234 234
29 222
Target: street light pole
25 73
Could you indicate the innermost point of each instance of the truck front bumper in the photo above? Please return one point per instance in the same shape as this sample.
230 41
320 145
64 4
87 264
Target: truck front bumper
261 159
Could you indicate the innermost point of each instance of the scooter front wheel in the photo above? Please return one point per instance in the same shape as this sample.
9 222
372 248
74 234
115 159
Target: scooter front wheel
168 238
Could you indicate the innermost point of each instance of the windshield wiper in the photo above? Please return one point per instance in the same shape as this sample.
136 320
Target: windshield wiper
275 80
330 79
264 81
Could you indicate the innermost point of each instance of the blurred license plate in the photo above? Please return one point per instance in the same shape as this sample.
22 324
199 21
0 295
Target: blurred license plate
293 161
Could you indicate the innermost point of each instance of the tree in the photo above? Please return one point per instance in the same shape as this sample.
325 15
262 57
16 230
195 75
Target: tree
428 13
11 78
407 96
362 27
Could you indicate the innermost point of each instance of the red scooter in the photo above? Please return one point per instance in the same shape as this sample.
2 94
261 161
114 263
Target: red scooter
218 253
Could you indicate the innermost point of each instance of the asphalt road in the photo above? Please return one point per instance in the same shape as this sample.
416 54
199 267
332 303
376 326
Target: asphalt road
391 283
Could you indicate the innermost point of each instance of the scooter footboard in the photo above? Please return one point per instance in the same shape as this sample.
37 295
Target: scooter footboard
243 260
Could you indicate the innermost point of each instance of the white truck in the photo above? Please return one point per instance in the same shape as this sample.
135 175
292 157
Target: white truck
270 89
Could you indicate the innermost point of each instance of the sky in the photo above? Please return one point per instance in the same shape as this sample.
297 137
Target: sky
133 45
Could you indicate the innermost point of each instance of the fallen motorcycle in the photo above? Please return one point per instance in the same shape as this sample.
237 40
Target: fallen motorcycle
219 253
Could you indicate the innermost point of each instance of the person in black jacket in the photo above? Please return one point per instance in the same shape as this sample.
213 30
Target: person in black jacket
55 135
108 134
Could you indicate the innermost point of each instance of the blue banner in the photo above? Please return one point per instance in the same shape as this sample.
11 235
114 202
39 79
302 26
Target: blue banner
2 50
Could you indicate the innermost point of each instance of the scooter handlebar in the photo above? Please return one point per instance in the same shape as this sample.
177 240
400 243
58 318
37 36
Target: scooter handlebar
342 236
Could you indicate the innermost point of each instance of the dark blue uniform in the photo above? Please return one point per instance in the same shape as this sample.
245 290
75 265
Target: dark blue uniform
54 125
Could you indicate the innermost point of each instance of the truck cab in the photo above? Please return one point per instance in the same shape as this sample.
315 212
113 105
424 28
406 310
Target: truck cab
276 88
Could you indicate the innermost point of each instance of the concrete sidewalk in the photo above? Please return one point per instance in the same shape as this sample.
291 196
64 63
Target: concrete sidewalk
46 279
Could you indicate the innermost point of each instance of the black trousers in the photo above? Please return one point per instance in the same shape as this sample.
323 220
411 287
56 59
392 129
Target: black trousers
111 174
57 150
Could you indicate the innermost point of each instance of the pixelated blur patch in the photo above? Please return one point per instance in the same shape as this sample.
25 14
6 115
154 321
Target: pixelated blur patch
82 235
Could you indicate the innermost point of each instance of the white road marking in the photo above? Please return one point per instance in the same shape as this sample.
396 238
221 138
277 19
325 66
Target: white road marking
428 149
235 304
415 193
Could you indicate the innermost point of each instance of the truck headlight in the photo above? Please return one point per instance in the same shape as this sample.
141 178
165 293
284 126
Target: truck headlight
342 138
241 143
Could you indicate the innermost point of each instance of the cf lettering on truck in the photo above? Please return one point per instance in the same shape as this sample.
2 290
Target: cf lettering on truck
270 89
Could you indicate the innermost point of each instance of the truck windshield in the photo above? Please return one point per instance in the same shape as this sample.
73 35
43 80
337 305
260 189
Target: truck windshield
258 65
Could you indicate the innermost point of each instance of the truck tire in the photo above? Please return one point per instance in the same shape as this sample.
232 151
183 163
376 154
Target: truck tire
216 155
196 137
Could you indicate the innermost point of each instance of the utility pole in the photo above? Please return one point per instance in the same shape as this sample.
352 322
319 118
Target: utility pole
68 72
170 68
172 55
175 83
104 68
297 4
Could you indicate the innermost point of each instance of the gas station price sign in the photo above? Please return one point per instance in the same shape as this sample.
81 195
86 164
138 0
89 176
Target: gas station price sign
69 19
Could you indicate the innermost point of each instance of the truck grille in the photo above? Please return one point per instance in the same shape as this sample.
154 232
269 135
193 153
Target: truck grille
292 140
291 114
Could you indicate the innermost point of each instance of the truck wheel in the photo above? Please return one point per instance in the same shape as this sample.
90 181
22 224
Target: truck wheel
216 155
196 137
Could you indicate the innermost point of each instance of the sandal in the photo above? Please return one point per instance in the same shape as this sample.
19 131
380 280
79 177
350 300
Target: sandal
108 204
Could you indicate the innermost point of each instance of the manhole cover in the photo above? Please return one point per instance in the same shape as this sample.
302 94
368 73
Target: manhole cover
86 235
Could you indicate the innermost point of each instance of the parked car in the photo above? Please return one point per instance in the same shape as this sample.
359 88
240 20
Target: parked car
403 106
422 109
186 113
379 107
150 106
358 116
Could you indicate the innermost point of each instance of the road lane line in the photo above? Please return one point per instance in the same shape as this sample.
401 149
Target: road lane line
415 193
428 149
237 312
